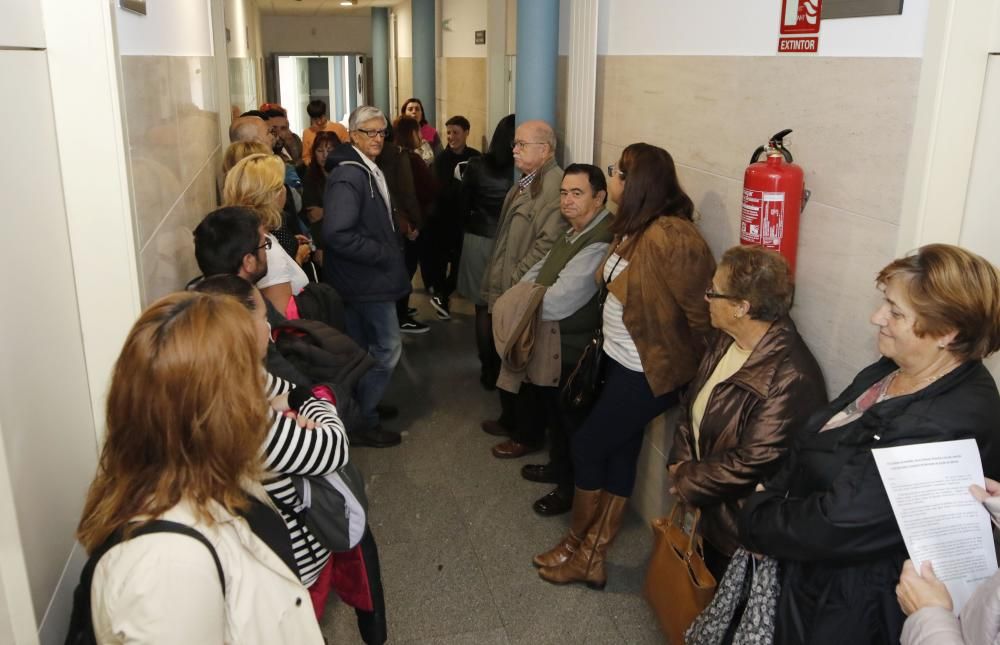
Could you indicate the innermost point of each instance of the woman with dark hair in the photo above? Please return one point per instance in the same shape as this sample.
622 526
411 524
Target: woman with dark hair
484 187
414 109
825 515
314 182
655 325
757 382
407 134
186 420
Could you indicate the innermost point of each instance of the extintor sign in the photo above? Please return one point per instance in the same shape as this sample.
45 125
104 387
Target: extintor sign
799 26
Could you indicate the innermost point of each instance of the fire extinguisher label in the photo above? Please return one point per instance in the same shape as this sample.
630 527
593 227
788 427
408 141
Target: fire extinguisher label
763 218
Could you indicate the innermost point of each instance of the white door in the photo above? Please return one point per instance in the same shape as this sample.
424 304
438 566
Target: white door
981 223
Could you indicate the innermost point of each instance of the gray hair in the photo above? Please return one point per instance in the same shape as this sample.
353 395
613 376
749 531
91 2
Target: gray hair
365 113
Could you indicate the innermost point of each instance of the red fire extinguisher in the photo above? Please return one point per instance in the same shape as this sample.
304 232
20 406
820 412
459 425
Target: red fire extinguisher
774 195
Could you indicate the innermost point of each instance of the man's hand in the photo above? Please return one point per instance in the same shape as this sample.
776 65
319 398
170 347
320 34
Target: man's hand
917 591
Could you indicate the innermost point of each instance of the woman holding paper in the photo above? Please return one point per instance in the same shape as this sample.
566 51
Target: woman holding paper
826 515
928 604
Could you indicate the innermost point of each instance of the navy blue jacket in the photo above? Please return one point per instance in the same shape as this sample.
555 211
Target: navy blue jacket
363 250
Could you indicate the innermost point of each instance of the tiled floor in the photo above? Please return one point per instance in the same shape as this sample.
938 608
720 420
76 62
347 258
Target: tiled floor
455 527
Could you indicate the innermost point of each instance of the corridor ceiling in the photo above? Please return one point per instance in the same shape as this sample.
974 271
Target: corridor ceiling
319 7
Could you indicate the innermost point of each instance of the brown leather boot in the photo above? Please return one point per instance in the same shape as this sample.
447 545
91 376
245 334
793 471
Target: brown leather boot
587 562
585 505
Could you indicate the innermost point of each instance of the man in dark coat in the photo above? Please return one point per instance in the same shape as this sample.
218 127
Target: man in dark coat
363 258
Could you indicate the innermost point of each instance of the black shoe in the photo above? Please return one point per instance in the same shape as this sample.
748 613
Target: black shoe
541 473
375 438
411 311
555 503
411 326
441 307
386 411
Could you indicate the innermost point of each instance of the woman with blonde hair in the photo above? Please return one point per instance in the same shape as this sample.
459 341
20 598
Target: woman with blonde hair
185 425
241 150
258 182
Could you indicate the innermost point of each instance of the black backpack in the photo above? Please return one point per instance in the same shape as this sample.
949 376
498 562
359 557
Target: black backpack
81 626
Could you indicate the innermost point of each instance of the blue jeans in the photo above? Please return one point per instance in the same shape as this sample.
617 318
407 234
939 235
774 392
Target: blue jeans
374 326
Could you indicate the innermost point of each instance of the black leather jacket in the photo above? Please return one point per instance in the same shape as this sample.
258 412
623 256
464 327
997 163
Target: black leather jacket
483 191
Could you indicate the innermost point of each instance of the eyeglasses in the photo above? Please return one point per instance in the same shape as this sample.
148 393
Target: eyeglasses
371 134
266 246
613 170
520 144
712 295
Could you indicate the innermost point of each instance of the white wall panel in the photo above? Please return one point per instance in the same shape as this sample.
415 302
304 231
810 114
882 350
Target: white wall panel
175 28
45 409
735 28
460 20
21 24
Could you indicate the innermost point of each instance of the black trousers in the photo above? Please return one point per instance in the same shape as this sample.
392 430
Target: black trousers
411 256
441 253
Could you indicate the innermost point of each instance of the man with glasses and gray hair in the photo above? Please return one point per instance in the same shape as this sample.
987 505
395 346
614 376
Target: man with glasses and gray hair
530 223
363 260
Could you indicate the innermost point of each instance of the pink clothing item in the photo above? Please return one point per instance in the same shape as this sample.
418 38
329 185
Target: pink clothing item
292 309
429 134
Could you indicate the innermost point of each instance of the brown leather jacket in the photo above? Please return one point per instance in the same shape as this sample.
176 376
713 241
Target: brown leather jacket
746 428
662 291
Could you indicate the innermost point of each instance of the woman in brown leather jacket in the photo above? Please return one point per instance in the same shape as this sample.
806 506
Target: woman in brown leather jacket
757 381
655 325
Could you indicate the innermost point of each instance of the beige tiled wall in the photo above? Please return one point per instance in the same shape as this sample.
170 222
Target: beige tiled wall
172 128
404 79
853 119
466 95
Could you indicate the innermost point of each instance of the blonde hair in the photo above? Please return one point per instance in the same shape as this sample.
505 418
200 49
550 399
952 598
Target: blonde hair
254 182
186 415
240 150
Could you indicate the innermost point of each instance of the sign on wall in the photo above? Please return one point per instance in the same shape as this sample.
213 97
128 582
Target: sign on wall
799 18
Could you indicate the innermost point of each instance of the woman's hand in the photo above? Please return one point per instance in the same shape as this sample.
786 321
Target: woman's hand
916 591
302 253
280 403
982 494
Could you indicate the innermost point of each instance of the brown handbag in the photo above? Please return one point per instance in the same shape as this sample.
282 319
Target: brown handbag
678 584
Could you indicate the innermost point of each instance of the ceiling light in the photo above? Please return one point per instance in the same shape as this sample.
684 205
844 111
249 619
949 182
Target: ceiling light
348 3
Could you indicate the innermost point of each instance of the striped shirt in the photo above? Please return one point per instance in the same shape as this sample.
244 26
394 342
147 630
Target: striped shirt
291 450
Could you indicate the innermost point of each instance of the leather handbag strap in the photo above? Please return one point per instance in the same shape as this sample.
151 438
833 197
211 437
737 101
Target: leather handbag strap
694 540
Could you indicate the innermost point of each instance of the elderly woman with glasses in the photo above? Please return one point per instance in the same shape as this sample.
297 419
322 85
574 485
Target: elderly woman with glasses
655 324
757 381
825 515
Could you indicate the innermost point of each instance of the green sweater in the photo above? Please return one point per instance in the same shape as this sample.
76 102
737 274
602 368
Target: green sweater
577 329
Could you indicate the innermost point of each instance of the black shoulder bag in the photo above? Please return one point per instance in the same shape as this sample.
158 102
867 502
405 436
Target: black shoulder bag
584 383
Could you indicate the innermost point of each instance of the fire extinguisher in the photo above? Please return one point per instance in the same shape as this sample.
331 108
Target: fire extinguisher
774 195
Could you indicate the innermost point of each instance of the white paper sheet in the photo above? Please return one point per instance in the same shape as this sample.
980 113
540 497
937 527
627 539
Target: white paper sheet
928 486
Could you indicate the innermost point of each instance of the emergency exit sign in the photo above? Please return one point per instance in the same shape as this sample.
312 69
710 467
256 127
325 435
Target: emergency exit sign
800 21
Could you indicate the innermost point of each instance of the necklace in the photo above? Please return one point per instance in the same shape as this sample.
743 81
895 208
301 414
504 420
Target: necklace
919 385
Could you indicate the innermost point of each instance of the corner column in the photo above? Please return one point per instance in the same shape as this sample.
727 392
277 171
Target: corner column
424 86
537 57
380 58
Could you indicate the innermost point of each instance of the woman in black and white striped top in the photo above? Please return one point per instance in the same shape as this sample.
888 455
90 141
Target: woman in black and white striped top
291 449
306 435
